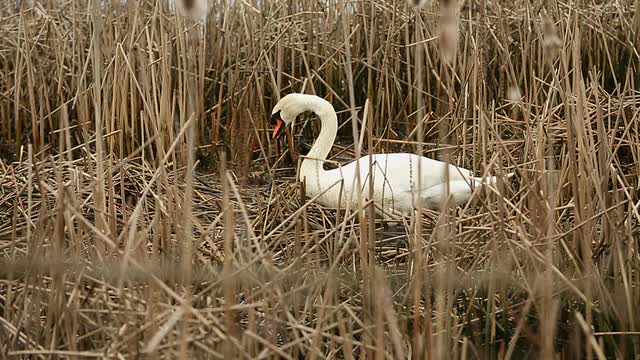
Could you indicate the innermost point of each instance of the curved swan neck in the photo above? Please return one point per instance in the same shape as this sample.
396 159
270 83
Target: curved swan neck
324 142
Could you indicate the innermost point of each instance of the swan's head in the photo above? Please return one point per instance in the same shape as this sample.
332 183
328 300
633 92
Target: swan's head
285 111
278 123
292 105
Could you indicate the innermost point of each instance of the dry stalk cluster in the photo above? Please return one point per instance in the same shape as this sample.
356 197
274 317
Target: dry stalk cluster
146 212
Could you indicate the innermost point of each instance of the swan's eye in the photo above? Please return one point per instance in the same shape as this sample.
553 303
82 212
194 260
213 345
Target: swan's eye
274 117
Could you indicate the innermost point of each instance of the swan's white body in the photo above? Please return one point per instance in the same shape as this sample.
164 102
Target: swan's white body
395 182
395 176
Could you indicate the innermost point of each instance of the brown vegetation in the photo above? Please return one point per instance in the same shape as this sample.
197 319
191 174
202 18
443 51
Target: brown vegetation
145 211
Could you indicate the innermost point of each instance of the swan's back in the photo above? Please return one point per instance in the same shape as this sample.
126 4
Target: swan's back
401 170
395 178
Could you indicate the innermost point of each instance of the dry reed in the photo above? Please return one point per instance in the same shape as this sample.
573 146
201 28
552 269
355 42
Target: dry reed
146 212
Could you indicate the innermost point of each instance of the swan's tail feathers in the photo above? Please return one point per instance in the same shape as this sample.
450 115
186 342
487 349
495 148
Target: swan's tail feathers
493 180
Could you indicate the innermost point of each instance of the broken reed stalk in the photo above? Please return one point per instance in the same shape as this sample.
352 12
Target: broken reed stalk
443 233
189 62
422 338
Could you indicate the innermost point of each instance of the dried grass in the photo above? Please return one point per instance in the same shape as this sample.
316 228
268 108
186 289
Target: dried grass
145 211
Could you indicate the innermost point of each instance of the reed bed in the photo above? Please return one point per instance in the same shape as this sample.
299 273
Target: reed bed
145 211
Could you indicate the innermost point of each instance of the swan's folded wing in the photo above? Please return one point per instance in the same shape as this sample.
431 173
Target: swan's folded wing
460 190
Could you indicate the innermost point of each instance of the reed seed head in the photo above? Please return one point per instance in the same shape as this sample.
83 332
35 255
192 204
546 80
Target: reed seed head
448 29
514 94
551 42
194 9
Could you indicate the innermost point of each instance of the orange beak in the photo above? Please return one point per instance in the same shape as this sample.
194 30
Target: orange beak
278 128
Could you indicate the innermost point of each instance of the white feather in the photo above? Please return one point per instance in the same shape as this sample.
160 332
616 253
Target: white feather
395 176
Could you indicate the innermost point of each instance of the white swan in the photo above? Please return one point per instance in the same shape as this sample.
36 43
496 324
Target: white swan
395 176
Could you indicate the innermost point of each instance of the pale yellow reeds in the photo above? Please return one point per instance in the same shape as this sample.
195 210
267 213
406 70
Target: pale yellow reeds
146 212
